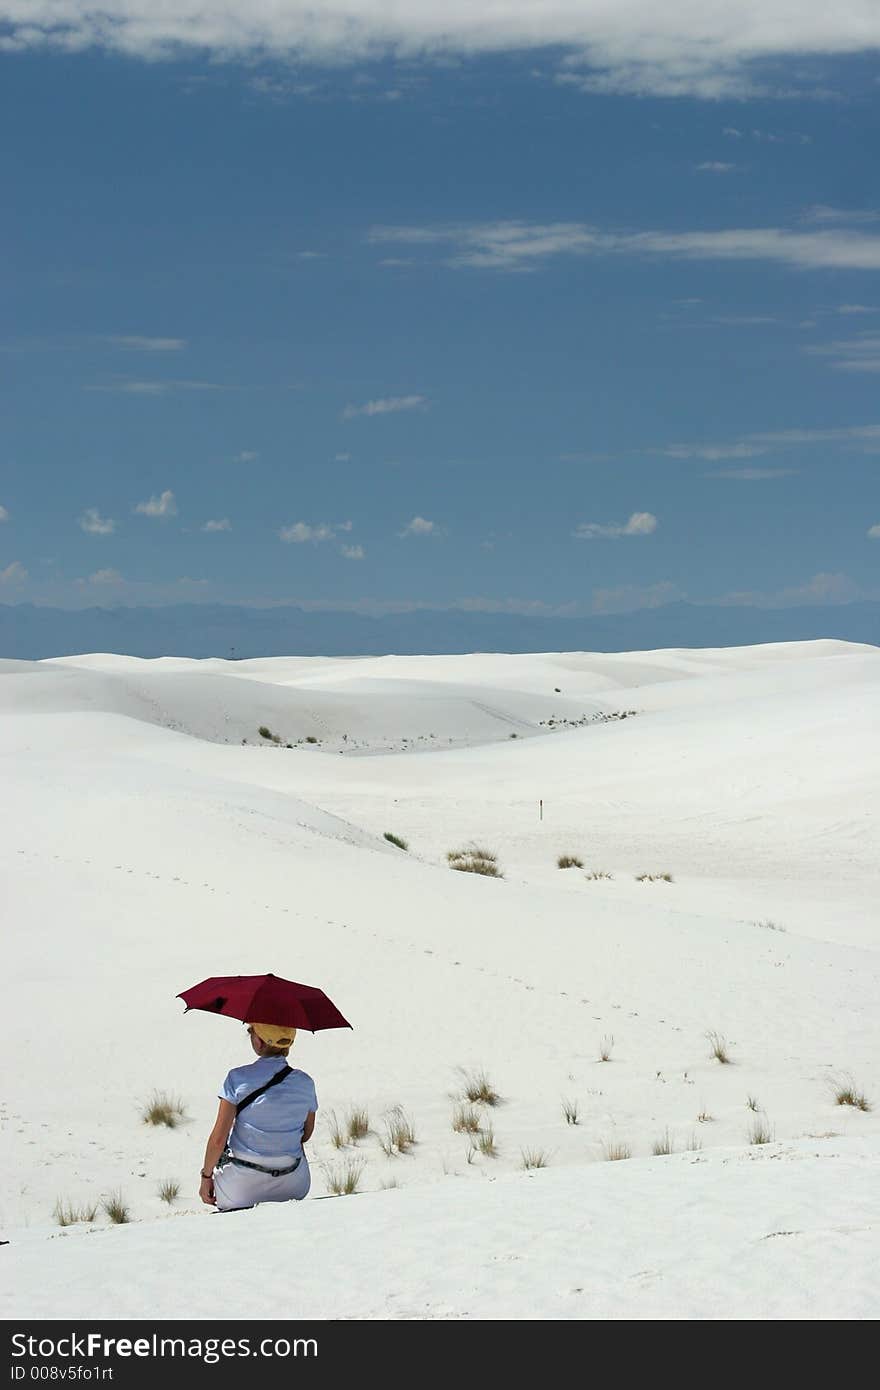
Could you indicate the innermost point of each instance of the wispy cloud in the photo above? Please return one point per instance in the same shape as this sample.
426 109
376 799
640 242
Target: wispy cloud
353 552
14 574
95 524
822 589
302 531
859 354
677 49
857 309
134 342
819 212
639 524
520 246
386 405
865 437
162 506
628 598
224 525
752 475
4 514
716 166
874 532
104 577
419 527
246 456
152 388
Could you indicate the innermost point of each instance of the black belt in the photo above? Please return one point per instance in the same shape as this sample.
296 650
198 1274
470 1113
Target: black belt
270 1172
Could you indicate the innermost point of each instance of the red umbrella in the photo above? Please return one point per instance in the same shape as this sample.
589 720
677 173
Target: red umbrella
265 999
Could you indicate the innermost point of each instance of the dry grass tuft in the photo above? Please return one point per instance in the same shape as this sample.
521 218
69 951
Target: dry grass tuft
606 1046
400 1135
654 878
115 1208
596 874
465 1120
664 1145
719 1045
760 1131
846 1093
161 1109
169 1190
66 1214
534 1158
615 1150
357 1123
475 860
395 840
753 1103
569 861
570 1111
478 1089
486 1142
345 1179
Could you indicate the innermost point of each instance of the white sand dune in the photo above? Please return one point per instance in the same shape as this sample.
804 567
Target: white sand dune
146 846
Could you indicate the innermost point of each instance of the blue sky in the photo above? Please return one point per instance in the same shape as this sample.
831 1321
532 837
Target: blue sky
382 316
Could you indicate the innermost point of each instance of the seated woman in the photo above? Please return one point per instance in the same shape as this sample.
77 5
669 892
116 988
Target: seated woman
267 1112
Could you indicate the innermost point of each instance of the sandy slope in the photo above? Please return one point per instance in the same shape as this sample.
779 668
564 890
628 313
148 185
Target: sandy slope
145 847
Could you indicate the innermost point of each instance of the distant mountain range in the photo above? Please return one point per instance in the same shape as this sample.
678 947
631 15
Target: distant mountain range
199 630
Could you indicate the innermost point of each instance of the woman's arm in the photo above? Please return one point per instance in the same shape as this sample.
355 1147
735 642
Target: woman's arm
308 1126
216 1144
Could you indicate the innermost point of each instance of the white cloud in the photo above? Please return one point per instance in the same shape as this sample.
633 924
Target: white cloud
224 525
388 405
678 48
857 309
342 458
874 532
752 474
301 531
743 320
521 246
14 573
151 388
246 456
4 515
112 577
94 524
353 552
860 354
639 524
822 589
715 166
133 342
764 442
820 213
630 597
419 527
162 506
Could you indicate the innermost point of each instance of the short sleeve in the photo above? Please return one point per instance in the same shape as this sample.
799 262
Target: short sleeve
228 1090
313 1103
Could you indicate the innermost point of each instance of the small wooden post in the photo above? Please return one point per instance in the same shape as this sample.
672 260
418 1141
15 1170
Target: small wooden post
541 810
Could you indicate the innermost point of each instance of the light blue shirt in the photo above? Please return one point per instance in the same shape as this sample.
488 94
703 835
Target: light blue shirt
271 1126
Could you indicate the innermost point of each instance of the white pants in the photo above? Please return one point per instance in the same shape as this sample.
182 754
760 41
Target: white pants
236 1187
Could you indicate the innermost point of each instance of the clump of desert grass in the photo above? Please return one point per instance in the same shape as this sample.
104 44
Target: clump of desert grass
614 1150
395 840
569 861
344 1179
466 1119
664 1145
475 860
760 1131
116 1209
485 1142
719 1047
606 1047
478 1089
704 1118
357 1123
847 1093
770 926
337 1133
67 1214
169 1190
654 878
534 1158
162 1109
570 1111
268 735
594 874
753 1103
399 1134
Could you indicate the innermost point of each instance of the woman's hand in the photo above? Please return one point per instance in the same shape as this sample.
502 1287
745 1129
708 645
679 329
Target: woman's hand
206 1192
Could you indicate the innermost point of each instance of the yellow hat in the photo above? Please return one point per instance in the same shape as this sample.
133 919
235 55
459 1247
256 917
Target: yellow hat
275 1034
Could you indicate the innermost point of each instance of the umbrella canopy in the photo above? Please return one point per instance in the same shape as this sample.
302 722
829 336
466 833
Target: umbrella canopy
265 999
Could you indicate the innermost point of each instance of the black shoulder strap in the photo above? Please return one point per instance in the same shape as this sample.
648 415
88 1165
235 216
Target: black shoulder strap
279 1076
